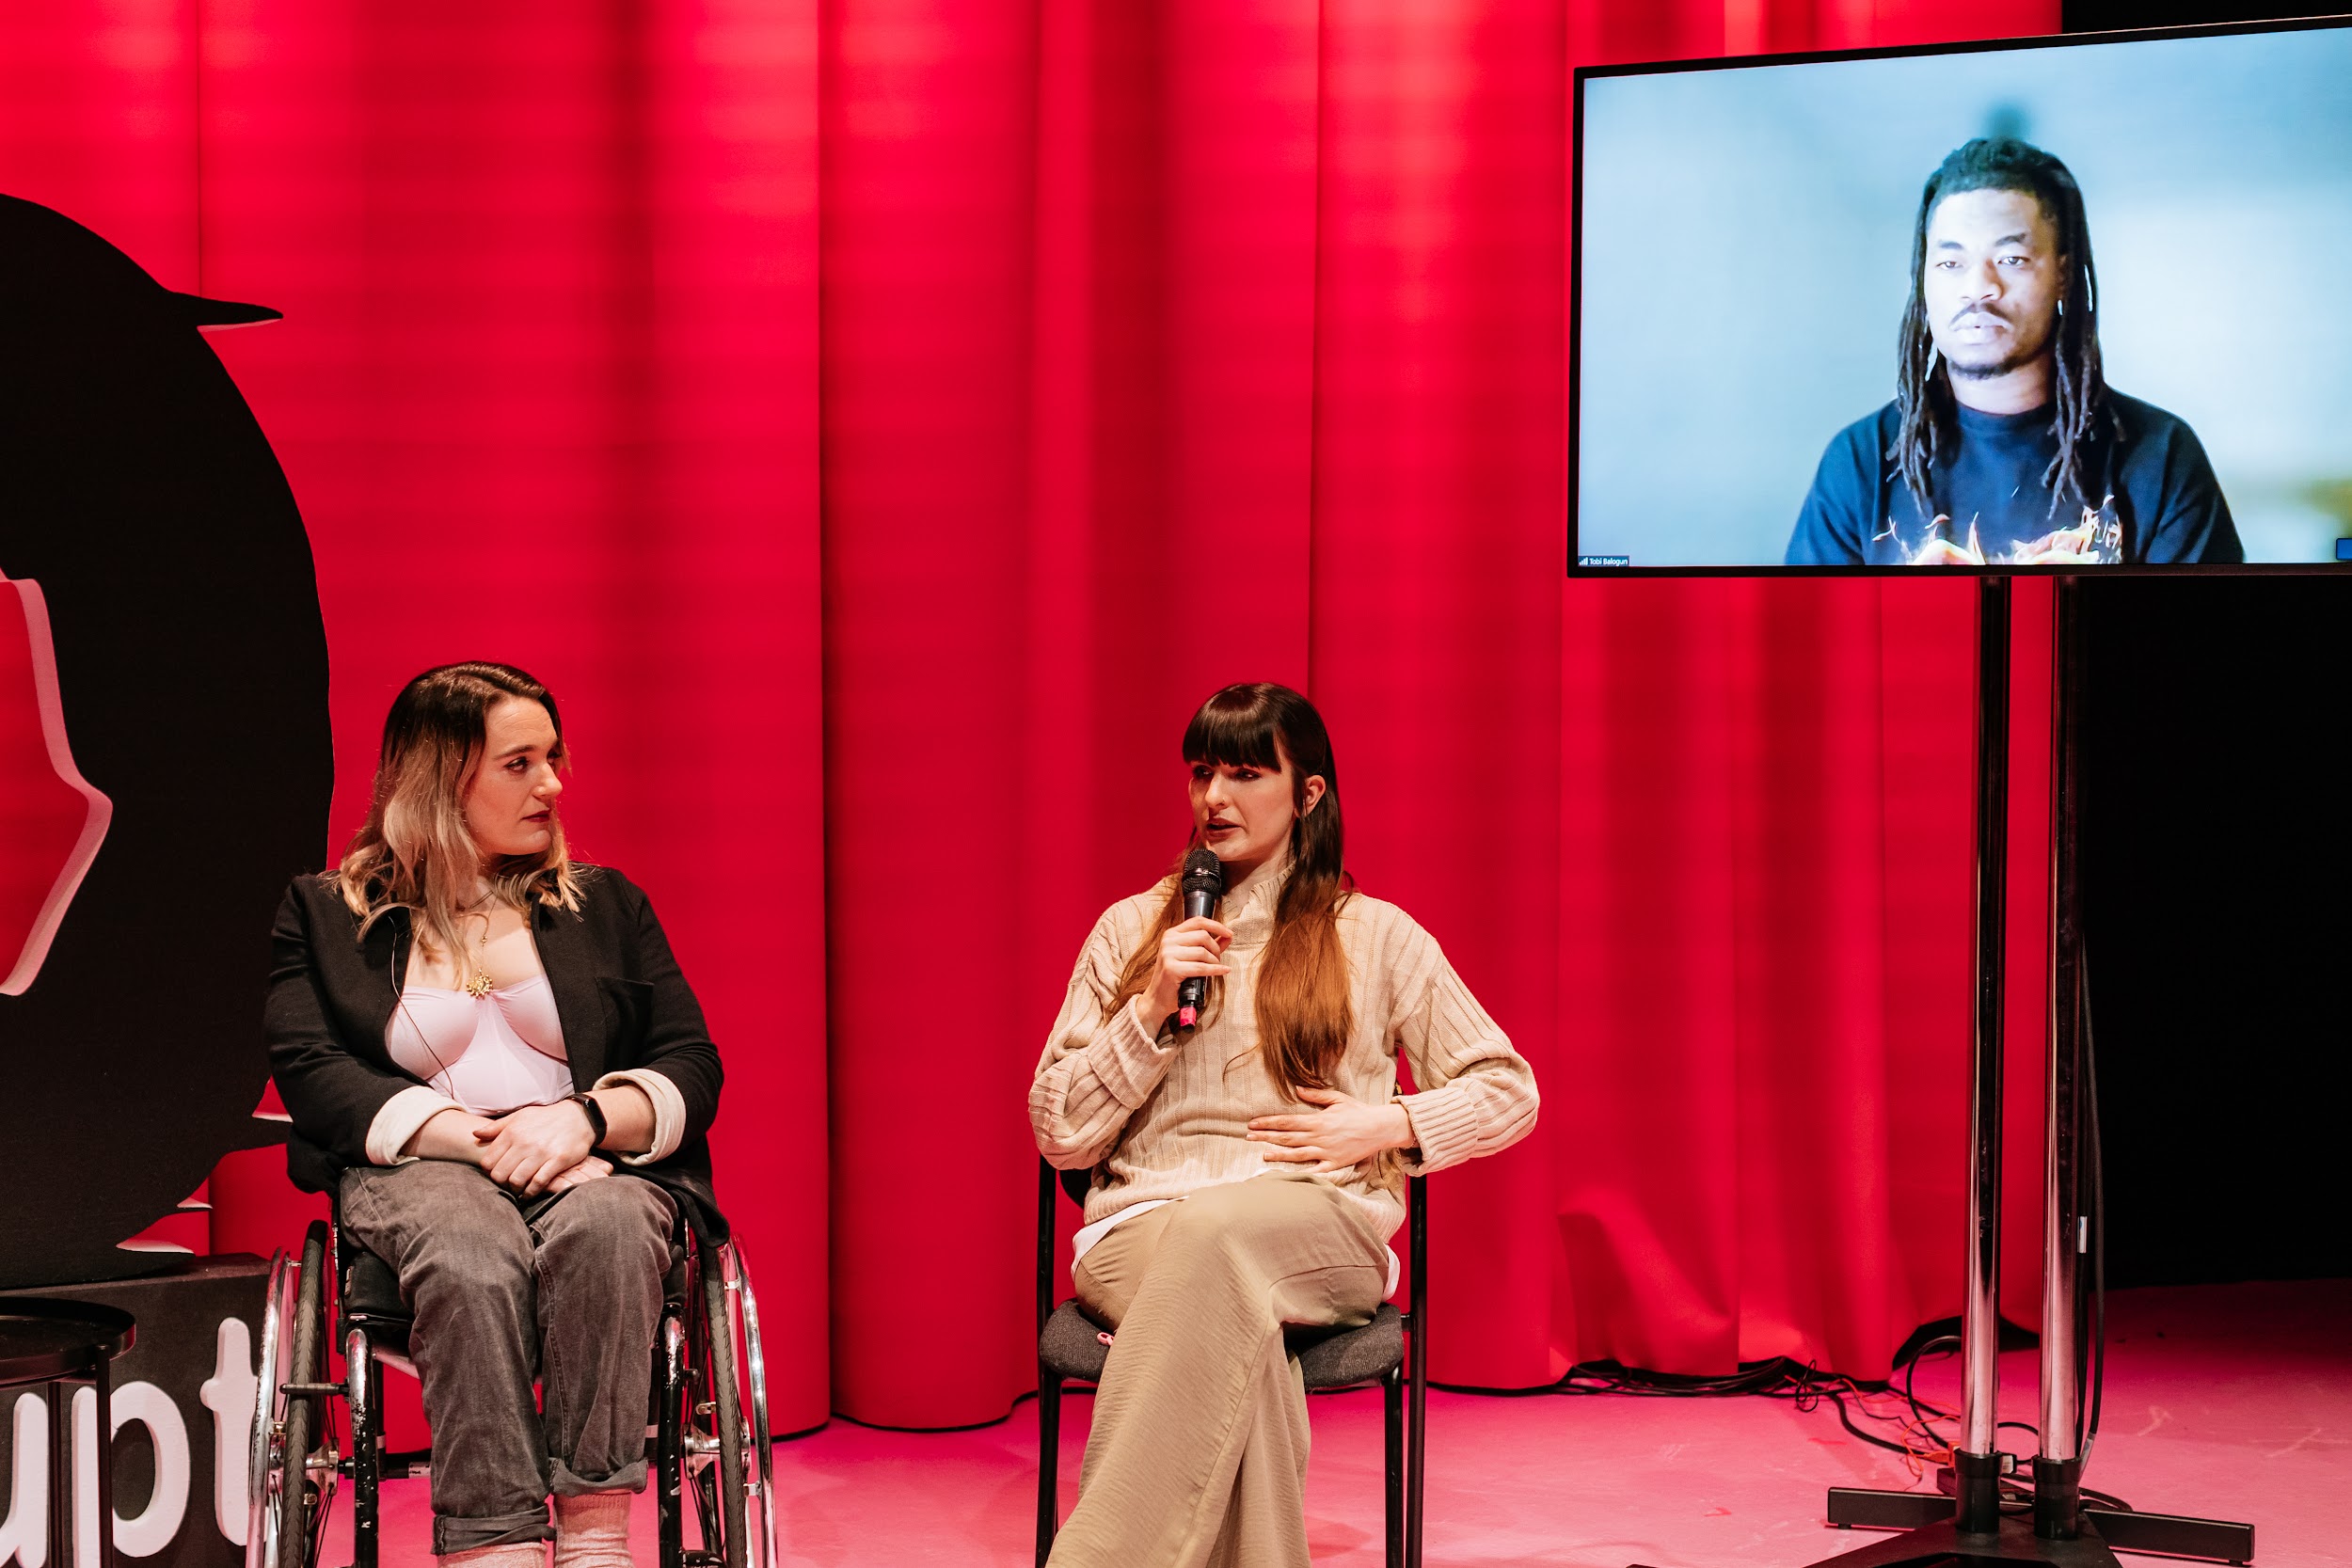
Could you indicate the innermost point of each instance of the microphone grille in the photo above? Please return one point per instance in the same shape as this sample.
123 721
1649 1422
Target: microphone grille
1205 872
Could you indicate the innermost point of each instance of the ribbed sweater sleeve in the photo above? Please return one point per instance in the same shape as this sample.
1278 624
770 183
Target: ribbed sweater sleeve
1475 1095
1095 1072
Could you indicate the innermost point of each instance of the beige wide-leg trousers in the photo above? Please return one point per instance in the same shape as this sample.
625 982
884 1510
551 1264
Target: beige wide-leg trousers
1197 1454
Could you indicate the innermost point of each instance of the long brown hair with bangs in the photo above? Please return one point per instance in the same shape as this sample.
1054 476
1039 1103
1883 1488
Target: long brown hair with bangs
416 853
1304 1011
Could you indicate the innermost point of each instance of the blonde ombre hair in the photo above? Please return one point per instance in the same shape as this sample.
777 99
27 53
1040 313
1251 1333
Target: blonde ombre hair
416 853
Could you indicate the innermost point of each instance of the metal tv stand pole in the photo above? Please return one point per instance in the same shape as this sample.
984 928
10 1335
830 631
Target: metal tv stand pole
1971 1526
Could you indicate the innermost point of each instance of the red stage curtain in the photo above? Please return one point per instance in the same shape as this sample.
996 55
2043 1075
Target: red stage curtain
1765 967
1115 412
1162 345
546 390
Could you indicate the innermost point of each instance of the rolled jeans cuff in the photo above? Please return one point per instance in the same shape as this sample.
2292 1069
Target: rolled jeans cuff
566 1482
451 1536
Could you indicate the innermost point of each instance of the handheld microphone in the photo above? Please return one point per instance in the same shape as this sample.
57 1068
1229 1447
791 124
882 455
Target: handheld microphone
1204 885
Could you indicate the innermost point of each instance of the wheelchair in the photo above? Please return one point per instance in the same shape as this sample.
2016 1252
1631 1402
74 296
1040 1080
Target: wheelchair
707 1436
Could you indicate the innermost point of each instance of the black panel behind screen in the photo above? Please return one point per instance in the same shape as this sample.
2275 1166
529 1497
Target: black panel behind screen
2217 859
2105 16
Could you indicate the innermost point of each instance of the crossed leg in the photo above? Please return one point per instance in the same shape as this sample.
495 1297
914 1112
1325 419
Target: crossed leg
1197 1455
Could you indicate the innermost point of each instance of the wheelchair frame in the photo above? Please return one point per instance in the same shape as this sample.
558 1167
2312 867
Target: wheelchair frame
707 1436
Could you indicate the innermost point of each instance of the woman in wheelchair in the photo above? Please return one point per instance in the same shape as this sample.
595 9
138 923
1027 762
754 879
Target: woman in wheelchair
1247 1169
491 1059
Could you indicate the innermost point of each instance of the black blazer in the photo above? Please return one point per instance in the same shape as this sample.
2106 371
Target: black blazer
619 992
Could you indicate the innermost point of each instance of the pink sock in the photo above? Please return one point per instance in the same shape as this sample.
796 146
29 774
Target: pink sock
592 1530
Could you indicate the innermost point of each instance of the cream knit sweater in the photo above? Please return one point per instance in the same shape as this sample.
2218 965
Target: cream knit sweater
1168 1117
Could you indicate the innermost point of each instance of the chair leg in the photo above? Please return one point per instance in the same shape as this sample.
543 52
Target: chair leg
1048 1463
1392 1421
1416 1458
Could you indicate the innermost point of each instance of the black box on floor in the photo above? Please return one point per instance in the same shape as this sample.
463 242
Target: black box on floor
182 1402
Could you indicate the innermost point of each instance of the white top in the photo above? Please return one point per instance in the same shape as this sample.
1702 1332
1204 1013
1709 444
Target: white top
491 1054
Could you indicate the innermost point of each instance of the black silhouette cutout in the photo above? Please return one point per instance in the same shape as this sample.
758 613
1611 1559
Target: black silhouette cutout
138 493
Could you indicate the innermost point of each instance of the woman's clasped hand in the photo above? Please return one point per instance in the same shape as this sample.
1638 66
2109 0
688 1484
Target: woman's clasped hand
539 1149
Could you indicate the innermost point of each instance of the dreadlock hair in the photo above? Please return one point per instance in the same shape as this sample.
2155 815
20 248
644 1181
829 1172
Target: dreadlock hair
1923 381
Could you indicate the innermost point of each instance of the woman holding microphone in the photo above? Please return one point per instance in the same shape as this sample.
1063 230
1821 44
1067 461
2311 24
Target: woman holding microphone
1248 1171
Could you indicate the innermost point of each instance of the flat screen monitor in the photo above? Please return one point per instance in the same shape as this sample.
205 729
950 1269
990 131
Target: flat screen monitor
2033 306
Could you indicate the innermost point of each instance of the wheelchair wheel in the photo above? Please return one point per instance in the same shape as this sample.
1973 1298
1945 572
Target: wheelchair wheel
308 1433
714 1425
287 1484
266 1438
751 1391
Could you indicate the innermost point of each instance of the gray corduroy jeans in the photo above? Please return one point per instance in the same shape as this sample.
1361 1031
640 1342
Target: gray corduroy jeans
565 1289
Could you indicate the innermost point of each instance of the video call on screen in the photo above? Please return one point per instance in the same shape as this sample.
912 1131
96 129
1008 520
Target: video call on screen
1762 380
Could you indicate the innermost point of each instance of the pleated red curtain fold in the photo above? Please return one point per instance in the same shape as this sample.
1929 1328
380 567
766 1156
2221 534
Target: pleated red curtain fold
1766 965
883 424
1440 480
1108 374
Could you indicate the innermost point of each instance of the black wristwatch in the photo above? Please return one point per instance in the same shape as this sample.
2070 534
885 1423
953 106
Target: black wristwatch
596 1116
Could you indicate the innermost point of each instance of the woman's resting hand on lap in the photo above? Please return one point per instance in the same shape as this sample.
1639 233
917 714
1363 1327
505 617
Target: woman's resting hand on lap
530 1151
1341 1135
590 1169
526 1150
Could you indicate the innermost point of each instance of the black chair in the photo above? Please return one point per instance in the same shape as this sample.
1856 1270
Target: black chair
1392 1351
707 1434
65 1347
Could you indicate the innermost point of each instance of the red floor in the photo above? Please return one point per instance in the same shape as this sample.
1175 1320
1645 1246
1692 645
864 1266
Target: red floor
2228 1401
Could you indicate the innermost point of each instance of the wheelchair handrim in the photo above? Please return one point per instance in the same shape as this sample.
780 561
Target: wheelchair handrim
264 1476
751 1365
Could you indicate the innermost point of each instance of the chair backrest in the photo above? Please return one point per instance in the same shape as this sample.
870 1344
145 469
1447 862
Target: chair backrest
1078 1184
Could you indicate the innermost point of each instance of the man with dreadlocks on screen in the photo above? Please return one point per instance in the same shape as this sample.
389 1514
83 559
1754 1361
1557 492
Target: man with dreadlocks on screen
2004 444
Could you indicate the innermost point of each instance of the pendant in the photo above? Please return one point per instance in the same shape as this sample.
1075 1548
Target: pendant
480 985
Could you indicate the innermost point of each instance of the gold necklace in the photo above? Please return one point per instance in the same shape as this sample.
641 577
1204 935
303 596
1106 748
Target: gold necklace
479 984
